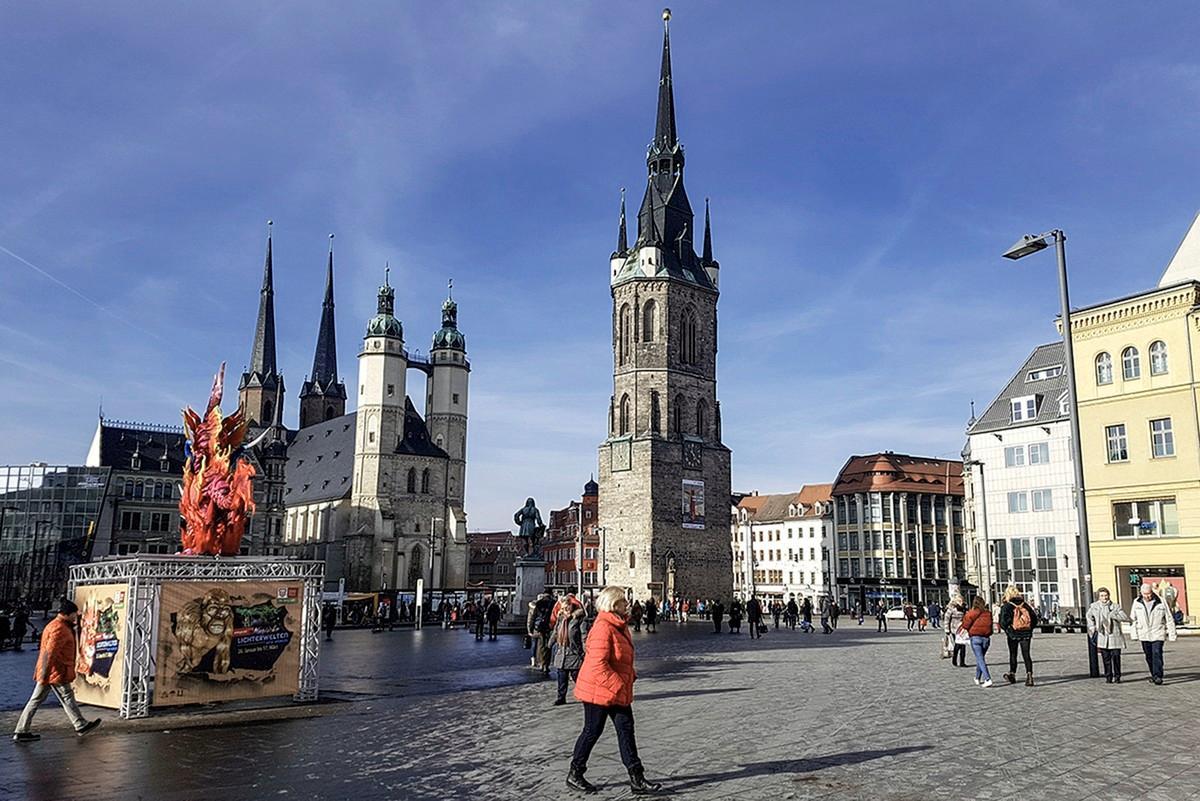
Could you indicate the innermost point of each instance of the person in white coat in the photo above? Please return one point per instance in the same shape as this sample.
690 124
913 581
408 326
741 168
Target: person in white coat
1104 620
1153 624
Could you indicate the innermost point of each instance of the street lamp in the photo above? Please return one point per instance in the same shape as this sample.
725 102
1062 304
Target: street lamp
1024 246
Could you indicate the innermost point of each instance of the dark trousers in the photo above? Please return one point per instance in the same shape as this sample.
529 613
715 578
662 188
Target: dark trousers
493 628
1023 644
716 625
1112 662
959 657
563 677
881 624
1154 657
594 717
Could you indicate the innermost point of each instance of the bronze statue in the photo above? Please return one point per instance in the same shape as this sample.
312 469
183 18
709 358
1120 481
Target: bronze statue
531 528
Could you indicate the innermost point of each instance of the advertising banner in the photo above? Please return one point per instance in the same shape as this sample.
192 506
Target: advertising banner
100 648
223 640
693 503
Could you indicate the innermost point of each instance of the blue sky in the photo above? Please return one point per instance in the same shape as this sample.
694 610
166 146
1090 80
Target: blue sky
867 164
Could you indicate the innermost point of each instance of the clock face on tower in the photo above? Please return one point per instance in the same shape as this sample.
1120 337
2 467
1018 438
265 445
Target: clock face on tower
693 454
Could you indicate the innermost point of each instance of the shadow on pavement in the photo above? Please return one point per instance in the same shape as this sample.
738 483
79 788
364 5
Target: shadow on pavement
806 765
690 693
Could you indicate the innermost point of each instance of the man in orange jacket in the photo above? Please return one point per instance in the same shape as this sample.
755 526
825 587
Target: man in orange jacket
55 670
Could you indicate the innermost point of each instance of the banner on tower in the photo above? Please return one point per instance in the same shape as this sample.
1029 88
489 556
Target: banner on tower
693 503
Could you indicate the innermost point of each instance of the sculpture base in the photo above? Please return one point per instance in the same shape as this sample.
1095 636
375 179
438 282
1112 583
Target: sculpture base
531 582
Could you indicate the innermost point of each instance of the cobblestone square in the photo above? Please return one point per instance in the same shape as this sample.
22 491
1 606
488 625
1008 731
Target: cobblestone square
855 715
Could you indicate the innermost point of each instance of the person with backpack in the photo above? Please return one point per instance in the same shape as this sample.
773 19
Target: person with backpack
1018 619
1104 620
1153 624
978 624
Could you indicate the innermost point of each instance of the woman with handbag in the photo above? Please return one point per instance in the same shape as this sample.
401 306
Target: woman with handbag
605 686
978 624
953 620
568 645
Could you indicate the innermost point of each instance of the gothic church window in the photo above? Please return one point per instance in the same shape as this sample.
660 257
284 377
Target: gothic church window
655 413
687 338
412 479
648 321
624 333
425 481
701 418
624 415
677 415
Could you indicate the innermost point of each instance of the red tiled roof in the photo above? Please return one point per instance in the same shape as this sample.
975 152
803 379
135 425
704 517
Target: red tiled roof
898 472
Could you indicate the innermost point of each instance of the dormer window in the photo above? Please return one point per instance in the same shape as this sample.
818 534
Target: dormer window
1054 371
1024 408
135 461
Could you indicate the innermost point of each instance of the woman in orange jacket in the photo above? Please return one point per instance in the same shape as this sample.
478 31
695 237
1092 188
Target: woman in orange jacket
605 686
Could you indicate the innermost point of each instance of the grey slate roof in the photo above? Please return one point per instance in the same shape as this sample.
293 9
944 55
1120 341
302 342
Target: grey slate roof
998 416
119 440
321 462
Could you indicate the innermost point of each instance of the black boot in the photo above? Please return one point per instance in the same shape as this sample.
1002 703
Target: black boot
576 781
637 780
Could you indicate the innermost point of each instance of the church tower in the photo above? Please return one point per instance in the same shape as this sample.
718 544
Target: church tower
664 472
261 388
379 427
446 399
323 396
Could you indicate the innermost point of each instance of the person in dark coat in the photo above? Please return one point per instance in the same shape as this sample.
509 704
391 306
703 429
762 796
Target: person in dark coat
478 620
718 614
735 616
328 620
5 629
754 616
635 615
806 611
20 625
493 619
651 612
792 612
881 611
568 650
1018 620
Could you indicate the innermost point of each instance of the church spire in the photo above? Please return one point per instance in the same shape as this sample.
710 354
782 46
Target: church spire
324 369
665 137
707 257
259 382
622 236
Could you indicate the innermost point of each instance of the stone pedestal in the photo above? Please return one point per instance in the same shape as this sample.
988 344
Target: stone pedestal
531 582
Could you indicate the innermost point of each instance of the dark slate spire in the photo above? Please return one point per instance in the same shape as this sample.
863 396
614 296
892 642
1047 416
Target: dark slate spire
665 137
324 369
707 256
622 236
262 370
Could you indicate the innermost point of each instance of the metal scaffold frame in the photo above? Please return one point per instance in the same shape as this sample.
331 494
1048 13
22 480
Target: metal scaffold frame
144 577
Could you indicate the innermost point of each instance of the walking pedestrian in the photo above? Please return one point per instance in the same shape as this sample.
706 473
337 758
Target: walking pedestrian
537 624
605 686
55 670
955 612
635 615
834 612
479 619
935 614
910 615
881 611
825 616
735 616
20 625
922 616
1104 620
978 624
718 614
5 629
568 648
1018 618
328 620
650 610
793 612
806 615
754 616
776 612
1153 624
494 612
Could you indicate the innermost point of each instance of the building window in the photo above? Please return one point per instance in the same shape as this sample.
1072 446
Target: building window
624 417
632 560
1039 453
412 479
454 398
1103 369
623 334
1118 450
424 483
1014 456
1042 500
677 415
648 321
701 417
655 413
1046 372
1158 357
1153 518
391 390
1162 439
687 338
1018 502
1131 364
1024 408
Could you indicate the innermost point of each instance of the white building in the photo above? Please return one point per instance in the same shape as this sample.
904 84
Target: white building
1019 451
781 544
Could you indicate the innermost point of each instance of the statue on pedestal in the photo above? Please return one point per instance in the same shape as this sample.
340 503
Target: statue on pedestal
531 531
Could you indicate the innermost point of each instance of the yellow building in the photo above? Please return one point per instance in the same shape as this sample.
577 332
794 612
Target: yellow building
1137 368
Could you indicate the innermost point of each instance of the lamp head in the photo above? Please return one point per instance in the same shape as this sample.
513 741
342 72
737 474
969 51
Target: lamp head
1026 245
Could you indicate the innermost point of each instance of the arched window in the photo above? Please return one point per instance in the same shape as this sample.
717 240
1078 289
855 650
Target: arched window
412 479
687 338
1158 357
677 415
416 568
648 321
701 418
623 334
1131 364
268 412
655 414
425 481
624 415
1104 369
612 417
632 560
329 413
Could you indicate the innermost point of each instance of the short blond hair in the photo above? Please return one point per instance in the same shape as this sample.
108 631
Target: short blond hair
608 597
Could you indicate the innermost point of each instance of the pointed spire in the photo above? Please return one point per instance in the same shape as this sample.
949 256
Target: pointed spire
665 136
324 369
622 236
708 255
262 354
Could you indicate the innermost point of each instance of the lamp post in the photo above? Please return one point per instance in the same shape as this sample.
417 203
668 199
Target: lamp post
1025 246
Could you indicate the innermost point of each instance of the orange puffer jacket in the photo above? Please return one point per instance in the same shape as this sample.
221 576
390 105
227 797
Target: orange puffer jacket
607 675
56 656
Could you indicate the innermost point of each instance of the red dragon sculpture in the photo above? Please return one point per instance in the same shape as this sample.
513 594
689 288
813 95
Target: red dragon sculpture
217 498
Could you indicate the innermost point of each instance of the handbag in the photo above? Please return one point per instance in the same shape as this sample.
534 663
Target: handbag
961 637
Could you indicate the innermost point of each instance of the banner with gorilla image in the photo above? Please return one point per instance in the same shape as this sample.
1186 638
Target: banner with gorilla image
100 647
223 640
